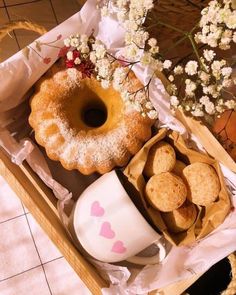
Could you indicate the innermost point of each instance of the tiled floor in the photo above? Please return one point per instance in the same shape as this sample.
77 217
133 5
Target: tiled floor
44 12
29 262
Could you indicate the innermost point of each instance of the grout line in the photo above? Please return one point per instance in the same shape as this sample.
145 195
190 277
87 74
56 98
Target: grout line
37 250
13 218
54 12
17 4
9 18
19 273
8 278
53 260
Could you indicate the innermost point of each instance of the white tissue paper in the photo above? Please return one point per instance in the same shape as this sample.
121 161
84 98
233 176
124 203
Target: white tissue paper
20 72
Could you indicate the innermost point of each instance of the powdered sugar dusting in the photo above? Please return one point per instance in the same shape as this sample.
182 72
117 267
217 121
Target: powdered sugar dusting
68 79
85 149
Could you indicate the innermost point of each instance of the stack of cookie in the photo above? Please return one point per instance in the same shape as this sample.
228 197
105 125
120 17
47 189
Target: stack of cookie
177 189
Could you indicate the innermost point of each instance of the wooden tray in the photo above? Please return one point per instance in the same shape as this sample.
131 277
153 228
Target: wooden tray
41 202
208 140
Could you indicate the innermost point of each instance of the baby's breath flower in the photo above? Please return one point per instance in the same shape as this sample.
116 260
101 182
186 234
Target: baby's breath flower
208 54
74 42
69 55
178 70
67 42
226 83
77 61
197 110
145 59
220 109
105 83
191 67
131 52
230 104
84 49
152 42
167 64
204 77
204 100
99 49
171 78
230 21
174 101
190 87
152 114
103 67
93 57
149 105
210 108
154 49
226 71
119 76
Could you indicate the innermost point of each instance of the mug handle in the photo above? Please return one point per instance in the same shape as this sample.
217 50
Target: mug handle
150 260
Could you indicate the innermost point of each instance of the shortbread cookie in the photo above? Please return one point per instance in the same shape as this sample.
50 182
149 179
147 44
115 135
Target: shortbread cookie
181 218
161 158
203 182
178 168
166 191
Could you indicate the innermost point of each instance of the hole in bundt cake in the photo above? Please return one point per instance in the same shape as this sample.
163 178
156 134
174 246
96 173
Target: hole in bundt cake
94 114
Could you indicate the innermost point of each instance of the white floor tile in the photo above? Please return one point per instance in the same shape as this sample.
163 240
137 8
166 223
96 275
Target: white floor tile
63 280
10 203
47 250
17 250
32 282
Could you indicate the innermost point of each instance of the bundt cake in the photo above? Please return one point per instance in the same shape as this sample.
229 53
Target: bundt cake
83 125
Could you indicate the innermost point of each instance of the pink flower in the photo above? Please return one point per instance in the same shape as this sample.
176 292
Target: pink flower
47 60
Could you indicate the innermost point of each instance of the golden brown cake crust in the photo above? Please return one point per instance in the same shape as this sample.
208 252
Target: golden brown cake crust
166 191
56 116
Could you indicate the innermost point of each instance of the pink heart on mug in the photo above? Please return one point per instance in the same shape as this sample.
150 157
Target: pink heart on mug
118 247
96 209
106 231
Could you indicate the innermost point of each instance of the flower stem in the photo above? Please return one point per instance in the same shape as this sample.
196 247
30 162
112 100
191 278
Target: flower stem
166 25
171 27
196 51
175 44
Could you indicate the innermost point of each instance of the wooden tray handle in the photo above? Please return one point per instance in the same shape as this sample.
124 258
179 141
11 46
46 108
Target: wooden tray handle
26 25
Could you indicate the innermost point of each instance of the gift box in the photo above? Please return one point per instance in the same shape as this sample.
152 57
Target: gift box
46 188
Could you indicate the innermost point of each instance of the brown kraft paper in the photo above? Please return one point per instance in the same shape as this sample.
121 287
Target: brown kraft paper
208 218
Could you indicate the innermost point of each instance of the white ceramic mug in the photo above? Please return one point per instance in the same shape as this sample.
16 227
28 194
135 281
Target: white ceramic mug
108 225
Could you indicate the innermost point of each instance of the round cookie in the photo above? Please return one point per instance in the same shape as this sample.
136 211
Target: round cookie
166 191
178 168
203 182
161 158
181 218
